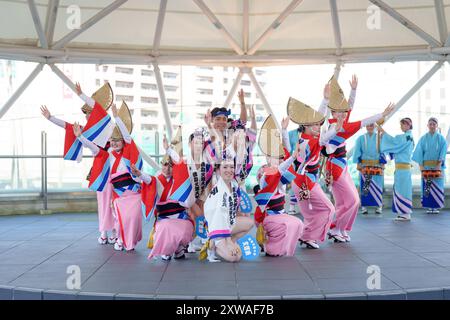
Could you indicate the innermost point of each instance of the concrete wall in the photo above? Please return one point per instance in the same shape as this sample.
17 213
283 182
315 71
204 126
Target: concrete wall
87 202
57 202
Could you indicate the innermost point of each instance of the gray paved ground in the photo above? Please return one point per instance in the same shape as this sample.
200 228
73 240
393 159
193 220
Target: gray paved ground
414 259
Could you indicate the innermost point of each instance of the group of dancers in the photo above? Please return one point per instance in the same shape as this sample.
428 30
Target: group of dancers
202 188
371 153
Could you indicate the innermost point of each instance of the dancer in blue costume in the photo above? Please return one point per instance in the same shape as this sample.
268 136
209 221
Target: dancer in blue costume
430 156
370 163
400 149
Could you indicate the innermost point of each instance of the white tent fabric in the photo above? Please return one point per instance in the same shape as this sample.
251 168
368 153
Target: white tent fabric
231 32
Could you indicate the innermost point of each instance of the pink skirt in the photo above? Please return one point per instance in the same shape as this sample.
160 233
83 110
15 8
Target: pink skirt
169 235
129 216
106 220
283 232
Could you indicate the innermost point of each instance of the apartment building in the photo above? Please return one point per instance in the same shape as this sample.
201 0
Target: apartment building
189 92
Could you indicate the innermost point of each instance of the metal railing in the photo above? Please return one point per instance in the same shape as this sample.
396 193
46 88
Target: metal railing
44 166
43 194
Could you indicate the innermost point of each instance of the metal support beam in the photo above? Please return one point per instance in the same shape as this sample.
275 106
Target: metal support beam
23 57
407 23
258 88
337 70
50 21
447 42
148 159
21 89
416 87
233 89
162 97
245 24
63 77
222 58
38 24
336 27
441 20
159 26
44 193
100 15
258 43
215 21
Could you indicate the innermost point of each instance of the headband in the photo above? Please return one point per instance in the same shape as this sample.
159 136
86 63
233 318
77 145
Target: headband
221 113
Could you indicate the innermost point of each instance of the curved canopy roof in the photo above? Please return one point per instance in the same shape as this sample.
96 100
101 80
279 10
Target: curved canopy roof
231 32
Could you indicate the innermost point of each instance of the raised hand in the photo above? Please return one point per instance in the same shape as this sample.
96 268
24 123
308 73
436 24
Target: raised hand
78 88
251 111
76 129
327 91
285 123
390 108
241 96
252 117
114 110
354 82
45 112
135 171
208 118
165 143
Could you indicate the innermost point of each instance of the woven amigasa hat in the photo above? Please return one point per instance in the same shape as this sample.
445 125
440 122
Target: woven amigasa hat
303 114
270 141
103 96
125 115
337 101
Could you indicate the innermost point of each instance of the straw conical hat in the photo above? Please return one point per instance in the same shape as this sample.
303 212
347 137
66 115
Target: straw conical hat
176 144
337 98
103 96
303 114
270 141
125 115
